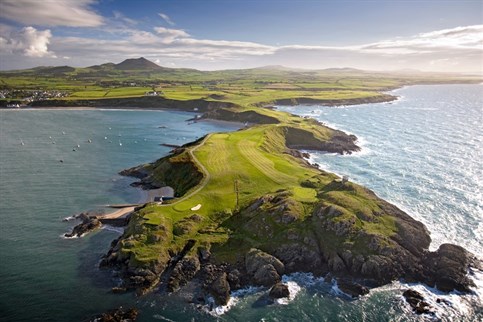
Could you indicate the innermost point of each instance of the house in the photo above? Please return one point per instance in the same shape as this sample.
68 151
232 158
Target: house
158 199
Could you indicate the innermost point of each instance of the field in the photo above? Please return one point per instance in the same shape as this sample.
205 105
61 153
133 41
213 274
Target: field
237 161
249 87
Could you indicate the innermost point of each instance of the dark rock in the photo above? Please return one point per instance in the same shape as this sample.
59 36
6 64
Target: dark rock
447 268
118 315
88 224
234 278
266 275
183 272
352 288
118 290
279 290
416 301
220 290
204 254
264 268
298 257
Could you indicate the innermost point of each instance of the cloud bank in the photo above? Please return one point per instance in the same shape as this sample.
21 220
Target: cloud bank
455 49
71 13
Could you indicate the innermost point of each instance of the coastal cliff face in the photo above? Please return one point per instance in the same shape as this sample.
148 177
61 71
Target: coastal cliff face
288 217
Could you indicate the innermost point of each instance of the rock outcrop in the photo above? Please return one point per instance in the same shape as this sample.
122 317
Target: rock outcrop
183 272
278 291
118 315
447 268
263 268
416 301
88 224
351 288
220 289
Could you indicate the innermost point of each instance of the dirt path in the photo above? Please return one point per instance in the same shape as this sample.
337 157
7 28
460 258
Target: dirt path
127 210
206 178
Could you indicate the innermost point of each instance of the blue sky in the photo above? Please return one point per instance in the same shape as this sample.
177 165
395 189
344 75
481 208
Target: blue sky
217 34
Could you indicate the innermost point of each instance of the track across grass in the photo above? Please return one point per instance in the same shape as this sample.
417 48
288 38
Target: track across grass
238 159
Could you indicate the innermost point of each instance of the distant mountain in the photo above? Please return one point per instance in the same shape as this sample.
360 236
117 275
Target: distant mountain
103 66
137 64
276 67
51 70
344 70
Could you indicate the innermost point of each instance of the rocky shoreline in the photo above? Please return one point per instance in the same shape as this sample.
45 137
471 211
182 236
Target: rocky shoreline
445 269
361 242
374 261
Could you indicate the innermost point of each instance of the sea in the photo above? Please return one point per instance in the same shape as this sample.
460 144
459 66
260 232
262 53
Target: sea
421 152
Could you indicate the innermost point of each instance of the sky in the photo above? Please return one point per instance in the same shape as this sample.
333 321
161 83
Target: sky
428 35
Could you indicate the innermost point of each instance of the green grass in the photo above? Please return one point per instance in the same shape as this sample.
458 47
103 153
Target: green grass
252 161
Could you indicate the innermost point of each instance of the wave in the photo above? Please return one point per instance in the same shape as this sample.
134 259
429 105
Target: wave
217 310
119 230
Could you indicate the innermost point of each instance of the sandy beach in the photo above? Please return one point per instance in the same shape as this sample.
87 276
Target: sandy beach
149 196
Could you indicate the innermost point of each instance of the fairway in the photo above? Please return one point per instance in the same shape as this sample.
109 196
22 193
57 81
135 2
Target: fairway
237 161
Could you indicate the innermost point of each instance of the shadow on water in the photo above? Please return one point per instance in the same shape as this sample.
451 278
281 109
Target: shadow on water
98 244
101 299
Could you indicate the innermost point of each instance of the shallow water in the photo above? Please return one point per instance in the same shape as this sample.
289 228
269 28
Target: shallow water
43 276
421 153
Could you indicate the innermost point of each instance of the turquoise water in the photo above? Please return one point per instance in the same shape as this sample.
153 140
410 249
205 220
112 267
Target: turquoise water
44 277
421 152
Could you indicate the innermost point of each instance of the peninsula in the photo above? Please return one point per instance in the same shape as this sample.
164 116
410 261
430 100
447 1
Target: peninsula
249 207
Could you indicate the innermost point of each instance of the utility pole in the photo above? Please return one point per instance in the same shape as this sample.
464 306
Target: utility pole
236 192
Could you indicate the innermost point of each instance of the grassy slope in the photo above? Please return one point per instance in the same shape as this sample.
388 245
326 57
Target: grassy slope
240 156
256 161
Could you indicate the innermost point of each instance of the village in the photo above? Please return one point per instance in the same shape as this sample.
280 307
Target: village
19 98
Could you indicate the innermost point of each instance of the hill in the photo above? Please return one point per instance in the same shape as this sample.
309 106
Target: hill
250 209
137 64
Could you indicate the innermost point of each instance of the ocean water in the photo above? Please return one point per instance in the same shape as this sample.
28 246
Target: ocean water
421 153
44 277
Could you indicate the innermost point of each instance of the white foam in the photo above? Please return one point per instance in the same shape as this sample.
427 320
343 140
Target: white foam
112 228
235 297
162 318
63 236
293 288
451 307
335 290
213 310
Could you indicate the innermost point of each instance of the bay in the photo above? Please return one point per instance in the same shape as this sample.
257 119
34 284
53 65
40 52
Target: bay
421 152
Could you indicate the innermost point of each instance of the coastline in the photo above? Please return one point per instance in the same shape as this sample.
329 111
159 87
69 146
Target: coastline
302 295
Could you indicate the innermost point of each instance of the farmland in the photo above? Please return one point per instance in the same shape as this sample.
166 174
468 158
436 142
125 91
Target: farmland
133 78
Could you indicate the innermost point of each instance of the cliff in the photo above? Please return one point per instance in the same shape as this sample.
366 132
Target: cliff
251 209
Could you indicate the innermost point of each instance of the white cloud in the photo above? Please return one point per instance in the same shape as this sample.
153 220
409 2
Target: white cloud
469 37
171 34
71 13
457 49
29 42
166 18
120 16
